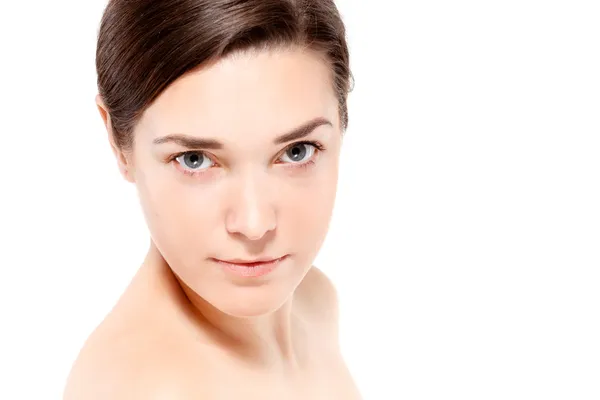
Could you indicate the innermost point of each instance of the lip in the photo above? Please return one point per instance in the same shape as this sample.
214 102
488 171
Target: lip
256 268
251 263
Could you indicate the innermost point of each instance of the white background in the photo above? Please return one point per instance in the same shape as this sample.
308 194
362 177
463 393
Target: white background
465 243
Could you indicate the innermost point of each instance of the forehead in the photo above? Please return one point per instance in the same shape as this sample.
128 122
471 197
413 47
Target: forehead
249 94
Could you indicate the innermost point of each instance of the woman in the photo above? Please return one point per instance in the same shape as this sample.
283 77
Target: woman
228 116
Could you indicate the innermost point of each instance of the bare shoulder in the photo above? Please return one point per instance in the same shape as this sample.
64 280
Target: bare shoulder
113 365
318 298
125 359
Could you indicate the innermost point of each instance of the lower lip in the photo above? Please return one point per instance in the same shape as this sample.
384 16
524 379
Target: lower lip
251 270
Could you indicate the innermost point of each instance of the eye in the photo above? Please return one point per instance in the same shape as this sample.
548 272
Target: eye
299 152
194 161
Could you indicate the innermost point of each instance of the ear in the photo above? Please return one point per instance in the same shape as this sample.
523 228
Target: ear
123 160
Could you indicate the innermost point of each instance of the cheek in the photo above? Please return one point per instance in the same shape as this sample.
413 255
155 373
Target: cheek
307 209
180 217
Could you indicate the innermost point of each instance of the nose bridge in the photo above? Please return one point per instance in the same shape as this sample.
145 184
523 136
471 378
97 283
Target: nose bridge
251 210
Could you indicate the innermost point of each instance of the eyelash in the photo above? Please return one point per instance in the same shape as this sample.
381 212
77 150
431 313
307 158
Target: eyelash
317 145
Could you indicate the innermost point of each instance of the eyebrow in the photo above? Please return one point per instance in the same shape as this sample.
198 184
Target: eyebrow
192 142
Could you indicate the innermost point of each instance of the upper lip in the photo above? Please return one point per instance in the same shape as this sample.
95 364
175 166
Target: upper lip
254 261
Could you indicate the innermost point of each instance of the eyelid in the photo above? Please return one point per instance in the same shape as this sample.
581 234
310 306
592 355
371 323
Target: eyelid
174 156
191 172
317 145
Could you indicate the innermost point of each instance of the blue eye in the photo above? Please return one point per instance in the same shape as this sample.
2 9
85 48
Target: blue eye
194 160
299 152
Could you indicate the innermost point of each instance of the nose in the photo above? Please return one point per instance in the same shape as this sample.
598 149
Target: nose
252 213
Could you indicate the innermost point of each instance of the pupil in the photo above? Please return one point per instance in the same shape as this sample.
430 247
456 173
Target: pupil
193 160
298 153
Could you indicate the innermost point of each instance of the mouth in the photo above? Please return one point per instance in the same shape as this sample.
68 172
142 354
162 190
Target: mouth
252 263
251 268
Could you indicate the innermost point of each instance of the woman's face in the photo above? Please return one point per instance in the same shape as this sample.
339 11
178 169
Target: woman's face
218 178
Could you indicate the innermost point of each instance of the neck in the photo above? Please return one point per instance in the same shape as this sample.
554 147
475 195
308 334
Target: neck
262 341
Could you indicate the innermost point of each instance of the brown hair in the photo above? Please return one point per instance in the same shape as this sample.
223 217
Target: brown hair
145 45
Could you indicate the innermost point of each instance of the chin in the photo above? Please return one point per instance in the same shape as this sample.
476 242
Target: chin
248 302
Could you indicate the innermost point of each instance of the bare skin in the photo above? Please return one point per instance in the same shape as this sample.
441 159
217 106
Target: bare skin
186 327
153 345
